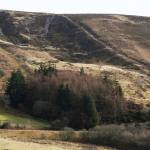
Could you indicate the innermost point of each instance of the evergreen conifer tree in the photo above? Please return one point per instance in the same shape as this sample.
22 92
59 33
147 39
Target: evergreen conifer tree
16 88
91 115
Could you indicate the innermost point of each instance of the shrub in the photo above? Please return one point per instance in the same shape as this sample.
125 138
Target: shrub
57 125
40 108
82 72
1 73
47 69
67 129
5 125
66 136
117 136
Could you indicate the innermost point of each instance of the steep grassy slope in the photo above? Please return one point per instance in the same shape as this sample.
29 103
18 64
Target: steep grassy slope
136 86
113 39
127 34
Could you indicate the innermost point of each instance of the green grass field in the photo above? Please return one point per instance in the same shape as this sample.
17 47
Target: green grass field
18 118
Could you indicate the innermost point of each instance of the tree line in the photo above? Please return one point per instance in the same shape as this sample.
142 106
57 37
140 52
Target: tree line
73 99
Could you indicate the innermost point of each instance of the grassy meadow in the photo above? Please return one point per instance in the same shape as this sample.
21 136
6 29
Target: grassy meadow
17 119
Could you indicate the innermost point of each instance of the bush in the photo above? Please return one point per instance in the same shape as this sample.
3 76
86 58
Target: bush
47 69
123 137
117 136
67 129
57 125
40 108
5 125
1 73
66 136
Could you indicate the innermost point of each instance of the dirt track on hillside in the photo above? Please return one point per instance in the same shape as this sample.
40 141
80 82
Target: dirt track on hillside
8 144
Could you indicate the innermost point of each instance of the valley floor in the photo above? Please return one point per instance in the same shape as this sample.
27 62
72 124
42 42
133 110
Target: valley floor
8 144
102 137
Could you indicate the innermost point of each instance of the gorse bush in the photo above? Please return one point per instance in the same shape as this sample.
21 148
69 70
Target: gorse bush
76 100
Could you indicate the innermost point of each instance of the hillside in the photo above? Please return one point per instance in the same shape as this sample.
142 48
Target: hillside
117 44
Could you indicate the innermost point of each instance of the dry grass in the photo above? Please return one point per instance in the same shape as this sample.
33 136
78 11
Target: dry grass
144 53
16 145
136 86
123 137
